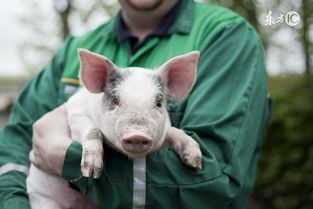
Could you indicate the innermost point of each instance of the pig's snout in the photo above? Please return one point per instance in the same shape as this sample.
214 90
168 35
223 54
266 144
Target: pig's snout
136 143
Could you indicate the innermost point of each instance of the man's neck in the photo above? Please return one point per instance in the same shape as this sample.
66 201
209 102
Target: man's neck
142 23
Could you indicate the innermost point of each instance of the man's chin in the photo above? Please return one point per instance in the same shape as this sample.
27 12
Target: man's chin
146 5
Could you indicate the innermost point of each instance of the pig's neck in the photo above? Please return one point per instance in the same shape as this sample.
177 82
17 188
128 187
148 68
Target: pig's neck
142 23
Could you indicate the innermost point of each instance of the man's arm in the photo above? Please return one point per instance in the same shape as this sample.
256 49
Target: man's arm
225 113
38 97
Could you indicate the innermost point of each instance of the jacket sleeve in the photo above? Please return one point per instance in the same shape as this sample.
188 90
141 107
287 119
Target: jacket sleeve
225 113
37 97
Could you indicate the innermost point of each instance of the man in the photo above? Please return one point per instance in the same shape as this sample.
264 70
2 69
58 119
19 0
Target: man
226 111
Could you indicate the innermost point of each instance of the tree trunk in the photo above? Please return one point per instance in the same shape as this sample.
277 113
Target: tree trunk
65 24
305 36
64 12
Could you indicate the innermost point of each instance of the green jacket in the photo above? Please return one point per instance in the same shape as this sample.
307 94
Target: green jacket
226 113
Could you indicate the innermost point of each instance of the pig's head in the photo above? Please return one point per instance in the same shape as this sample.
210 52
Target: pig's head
133 115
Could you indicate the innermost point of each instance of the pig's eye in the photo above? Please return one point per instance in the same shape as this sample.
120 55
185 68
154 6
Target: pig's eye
115 100
159 100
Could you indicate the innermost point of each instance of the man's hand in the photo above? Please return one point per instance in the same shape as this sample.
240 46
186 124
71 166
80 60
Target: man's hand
51 138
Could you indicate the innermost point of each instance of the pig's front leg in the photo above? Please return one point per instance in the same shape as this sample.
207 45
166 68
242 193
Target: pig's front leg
91 138
92 157
185 146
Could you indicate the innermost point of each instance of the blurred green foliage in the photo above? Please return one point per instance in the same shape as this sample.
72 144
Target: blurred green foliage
285 175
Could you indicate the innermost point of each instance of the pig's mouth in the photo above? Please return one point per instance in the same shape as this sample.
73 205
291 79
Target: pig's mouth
137 144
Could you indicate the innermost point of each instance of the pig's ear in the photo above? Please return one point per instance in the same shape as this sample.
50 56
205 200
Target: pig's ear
94 70
180 74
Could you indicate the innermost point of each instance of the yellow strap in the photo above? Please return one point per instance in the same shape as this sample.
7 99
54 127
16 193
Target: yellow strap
70 81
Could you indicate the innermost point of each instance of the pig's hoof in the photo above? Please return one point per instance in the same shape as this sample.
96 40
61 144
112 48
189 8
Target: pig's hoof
193 158
92 159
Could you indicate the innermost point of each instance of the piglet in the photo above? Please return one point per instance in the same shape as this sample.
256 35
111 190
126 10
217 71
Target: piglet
126 109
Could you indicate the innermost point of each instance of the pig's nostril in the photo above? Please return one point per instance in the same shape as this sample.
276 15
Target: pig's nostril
145 142
136 142
128 142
